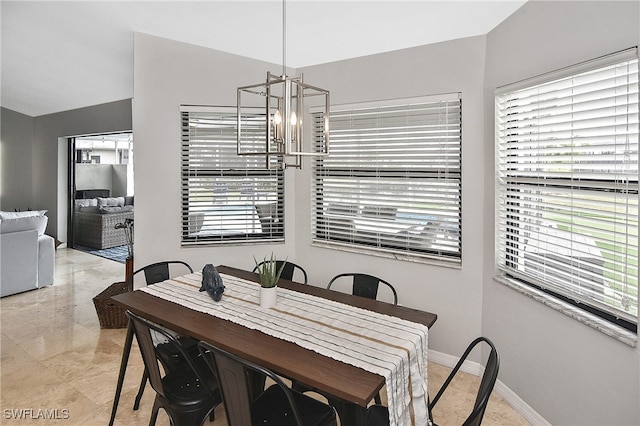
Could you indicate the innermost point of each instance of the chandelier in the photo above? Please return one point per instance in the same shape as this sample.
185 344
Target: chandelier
270 117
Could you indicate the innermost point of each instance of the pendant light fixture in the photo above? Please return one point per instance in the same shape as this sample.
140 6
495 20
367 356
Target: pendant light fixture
270 116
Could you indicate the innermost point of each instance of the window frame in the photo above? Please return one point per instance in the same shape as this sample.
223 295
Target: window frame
248 209
509 269
378 212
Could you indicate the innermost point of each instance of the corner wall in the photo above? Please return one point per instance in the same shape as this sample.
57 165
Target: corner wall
568 372
16 141
454 294
49 175
564 370
167 74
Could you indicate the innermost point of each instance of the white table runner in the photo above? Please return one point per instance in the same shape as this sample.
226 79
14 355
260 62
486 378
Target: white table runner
391 347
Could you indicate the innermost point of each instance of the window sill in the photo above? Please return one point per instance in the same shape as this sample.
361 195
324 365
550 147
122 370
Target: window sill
456 264
578 314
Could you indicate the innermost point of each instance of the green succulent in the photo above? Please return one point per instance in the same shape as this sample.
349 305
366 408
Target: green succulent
268 271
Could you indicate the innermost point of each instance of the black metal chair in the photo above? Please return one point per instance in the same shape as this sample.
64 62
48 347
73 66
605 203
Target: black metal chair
159 271
378 415
288 271
278 405
153 273
365 285
188 391
270 221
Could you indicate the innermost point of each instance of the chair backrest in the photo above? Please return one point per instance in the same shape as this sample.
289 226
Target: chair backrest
159 271
486 383
143 331
365 285
232 372
288 271
268 216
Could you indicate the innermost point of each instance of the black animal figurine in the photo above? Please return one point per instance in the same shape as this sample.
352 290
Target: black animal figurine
212 282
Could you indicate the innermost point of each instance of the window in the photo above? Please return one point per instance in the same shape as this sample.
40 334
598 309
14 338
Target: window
567 185
391 184
226 197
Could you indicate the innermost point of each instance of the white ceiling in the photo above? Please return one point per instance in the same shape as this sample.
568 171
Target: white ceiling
61 55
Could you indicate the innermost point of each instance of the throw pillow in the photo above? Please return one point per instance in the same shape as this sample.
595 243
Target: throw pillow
85 202
27 223
110 201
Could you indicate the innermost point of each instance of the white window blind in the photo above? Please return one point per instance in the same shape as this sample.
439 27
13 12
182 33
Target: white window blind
226 197
567 185
392 181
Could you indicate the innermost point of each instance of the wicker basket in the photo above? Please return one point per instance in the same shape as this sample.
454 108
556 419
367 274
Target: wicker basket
110 314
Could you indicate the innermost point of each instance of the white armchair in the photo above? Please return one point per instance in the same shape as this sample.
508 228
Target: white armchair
27 255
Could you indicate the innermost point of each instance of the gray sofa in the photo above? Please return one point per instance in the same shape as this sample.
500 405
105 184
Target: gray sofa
95 219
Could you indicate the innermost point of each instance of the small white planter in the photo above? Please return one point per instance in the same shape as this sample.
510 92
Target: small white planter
268 297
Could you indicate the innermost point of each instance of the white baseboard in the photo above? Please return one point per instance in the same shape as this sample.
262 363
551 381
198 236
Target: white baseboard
502 390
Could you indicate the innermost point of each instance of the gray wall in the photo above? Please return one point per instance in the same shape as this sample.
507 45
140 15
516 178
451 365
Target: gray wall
567 371
103 176
33 160
49 174
119 180
16 143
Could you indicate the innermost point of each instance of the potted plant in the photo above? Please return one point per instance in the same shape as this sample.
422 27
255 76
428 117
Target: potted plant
269 274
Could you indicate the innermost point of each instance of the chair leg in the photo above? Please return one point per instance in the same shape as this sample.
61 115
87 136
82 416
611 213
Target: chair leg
123 368
143 384
154 412
377 399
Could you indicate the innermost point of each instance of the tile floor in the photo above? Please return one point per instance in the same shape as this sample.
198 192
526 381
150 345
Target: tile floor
58 367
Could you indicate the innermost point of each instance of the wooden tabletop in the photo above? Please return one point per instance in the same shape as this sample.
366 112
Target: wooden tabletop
330 376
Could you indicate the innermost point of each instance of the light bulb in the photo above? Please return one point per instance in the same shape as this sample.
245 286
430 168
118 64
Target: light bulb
277 118
294 118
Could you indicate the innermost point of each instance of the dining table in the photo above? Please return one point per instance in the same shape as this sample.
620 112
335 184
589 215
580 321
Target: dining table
245 329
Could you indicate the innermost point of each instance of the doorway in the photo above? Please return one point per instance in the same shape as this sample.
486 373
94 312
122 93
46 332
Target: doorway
101 189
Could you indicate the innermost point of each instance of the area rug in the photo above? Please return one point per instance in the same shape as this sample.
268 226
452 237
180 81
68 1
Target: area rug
119 253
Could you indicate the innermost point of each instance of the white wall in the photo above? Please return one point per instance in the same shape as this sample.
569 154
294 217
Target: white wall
565 370
169 73
166 75
453 294
568 372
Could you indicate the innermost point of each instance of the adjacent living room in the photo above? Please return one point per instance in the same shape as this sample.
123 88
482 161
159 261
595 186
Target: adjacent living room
102 181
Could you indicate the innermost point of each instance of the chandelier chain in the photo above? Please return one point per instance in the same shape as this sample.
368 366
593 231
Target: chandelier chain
284 37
